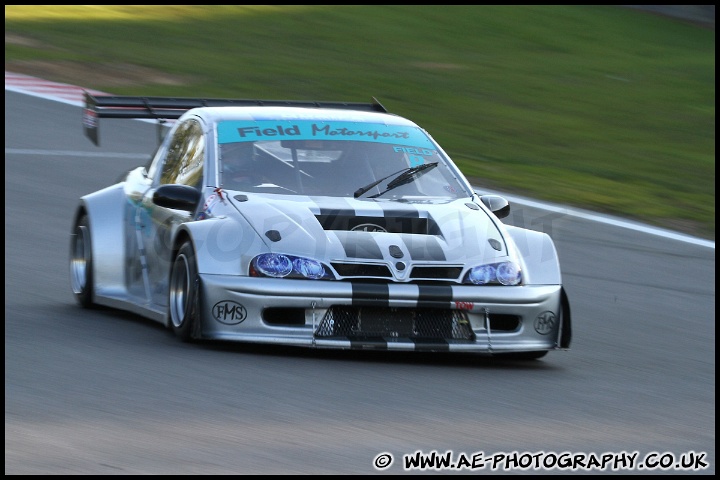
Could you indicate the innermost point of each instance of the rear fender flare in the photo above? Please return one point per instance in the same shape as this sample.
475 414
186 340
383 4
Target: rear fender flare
105 210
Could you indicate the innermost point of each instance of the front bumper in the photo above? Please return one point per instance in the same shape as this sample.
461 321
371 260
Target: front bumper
495 319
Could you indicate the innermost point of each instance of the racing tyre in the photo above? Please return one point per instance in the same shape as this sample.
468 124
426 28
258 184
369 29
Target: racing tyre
184 295
81 266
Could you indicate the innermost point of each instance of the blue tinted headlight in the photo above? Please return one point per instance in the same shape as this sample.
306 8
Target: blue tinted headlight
482 275
308 268
273 265
288 266
508 273
501 273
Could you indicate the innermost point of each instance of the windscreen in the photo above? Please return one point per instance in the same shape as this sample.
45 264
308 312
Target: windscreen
356 159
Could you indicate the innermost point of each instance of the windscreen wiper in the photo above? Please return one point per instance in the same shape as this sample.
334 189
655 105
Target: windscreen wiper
406 175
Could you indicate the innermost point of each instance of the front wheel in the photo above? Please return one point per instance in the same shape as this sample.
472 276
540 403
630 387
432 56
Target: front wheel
81 262
184 295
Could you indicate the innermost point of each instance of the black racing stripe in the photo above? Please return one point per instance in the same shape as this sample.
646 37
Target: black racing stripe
394 211
359 245
338 212
370 294
368 343
431 345
435 296
424 247
402 220
335 218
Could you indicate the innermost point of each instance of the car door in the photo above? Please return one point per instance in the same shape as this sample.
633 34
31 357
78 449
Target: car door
136 185
183 163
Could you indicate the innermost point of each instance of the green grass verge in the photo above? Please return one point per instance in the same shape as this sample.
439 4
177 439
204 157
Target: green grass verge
599 107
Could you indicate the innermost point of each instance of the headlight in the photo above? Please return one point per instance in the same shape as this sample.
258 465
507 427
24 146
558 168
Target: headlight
273 265
279 265
309 268
501 273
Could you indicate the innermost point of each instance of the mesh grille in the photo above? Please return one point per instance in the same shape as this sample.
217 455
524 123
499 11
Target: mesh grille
361 270
450 273
414 323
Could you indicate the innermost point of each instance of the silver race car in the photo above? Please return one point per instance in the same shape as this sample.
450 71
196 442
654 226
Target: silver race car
314 224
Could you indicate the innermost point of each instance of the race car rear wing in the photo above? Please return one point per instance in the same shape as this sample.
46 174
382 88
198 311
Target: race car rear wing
168 108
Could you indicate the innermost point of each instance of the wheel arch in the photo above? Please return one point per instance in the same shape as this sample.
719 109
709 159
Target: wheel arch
538 256
80 211
105 212
210 238
183 235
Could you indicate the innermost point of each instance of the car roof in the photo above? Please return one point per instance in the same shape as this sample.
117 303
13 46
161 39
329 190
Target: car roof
252 113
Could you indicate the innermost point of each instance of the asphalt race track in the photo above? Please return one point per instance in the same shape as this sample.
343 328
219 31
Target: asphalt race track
106 392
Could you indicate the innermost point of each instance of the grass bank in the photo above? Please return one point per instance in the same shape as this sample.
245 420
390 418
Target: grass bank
598 107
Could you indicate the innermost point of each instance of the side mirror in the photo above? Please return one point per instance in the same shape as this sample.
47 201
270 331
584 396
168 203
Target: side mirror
178 197
497 204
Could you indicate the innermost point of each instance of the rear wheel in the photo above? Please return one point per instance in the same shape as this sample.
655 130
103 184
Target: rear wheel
183 300
81 266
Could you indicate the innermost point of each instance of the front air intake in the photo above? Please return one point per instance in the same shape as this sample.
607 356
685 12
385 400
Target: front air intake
350 322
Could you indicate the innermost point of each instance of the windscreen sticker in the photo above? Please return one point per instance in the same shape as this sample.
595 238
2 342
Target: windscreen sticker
416 156
268 130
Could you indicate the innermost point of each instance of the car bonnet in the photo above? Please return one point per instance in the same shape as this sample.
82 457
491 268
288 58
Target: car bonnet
344 229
